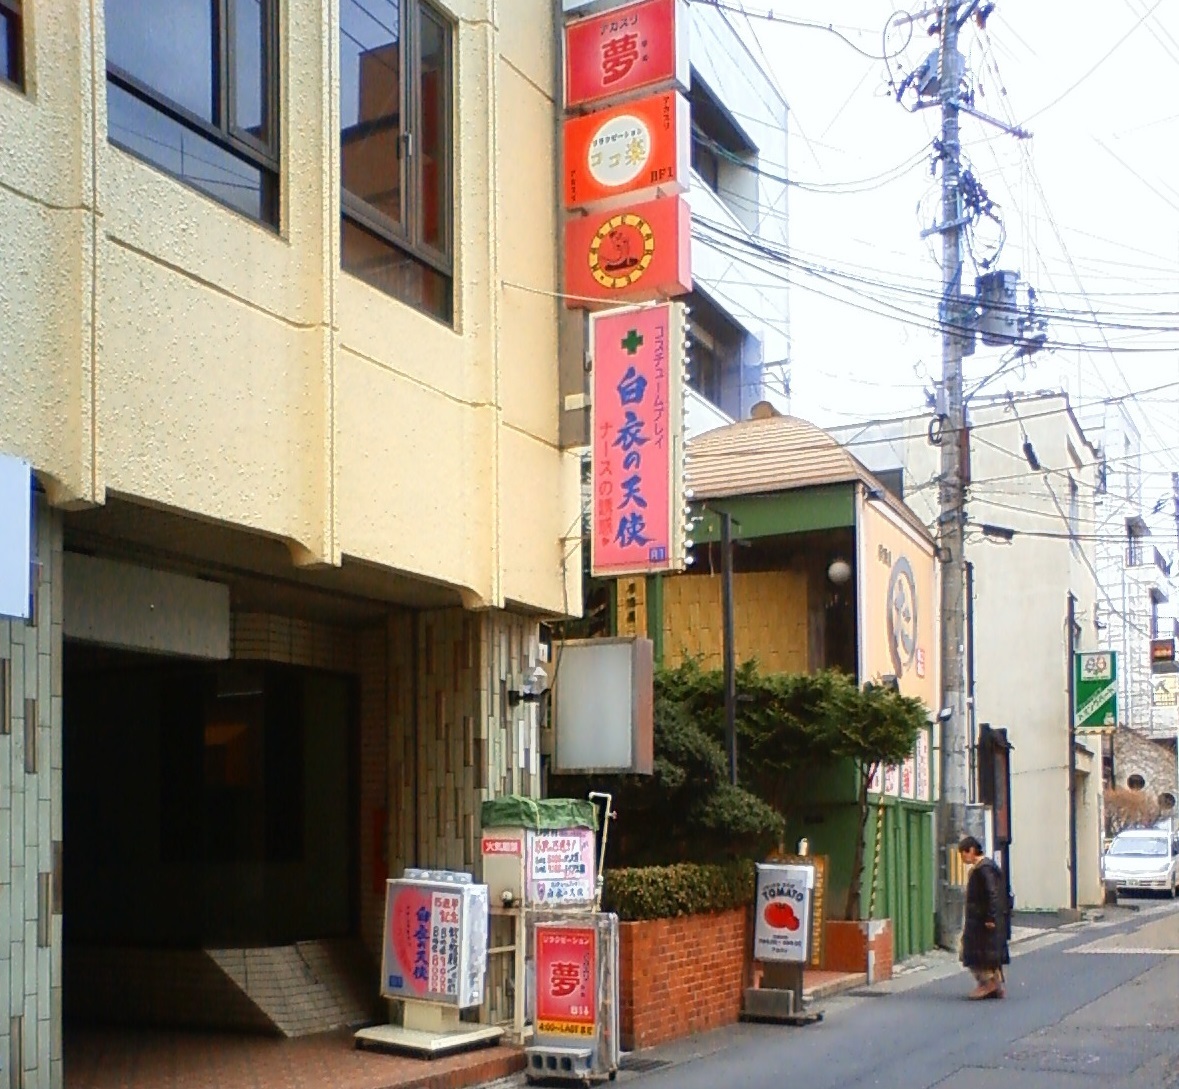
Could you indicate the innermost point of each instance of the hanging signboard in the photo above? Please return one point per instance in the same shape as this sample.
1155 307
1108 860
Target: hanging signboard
642 147
566 980
1162 655
637 421
627 50
435 947
16 505
921 771
637 254
1095 690
561 867
781 927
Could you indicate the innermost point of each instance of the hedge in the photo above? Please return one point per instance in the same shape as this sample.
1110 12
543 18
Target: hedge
685 888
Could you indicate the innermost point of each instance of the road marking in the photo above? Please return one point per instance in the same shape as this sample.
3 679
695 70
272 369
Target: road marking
1123 950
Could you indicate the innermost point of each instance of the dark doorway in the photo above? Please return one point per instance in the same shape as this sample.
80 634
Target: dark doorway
206 804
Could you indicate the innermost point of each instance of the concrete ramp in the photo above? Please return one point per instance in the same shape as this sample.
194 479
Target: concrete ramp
305 988
288 990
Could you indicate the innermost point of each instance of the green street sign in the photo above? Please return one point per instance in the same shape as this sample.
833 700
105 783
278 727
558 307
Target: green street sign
1095 690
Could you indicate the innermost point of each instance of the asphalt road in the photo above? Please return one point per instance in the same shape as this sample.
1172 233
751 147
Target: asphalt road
1096 1006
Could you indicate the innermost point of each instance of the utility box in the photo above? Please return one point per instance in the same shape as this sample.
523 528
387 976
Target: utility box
998 321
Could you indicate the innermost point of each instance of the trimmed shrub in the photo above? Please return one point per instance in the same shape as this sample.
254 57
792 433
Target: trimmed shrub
685 888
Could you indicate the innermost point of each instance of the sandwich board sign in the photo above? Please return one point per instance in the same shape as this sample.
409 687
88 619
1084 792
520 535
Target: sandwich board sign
1095 690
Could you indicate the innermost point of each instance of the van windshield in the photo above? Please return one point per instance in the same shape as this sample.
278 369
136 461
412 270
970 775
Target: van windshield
1142 846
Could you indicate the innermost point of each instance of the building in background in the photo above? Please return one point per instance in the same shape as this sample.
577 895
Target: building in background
739 338
1030 546
1137 576
300 500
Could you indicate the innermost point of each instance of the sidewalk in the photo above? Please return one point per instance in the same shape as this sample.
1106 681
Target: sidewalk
116 1059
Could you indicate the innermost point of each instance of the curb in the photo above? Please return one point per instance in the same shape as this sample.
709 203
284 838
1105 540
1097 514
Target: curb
834 987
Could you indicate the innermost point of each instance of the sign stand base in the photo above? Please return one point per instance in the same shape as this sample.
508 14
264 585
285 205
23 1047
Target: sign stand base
781 1002
428 1031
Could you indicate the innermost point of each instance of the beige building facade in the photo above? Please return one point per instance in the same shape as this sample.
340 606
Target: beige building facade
278 338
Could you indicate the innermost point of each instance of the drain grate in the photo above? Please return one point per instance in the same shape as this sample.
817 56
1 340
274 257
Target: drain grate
642 1066
867 993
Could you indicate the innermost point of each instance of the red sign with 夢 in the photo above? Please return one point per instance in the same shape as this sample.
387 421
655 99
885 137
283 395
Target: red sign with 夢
566 981
638 254
642 146
637 433
640 47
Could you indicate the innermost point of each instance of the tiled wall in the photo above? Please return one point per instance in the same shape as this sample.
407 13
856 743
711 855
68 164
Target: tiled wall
30 825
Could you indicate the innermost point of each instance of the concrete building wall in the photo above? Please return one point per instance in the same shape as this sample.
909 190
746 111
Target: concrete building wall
31 822
1021 588
159 346
750 210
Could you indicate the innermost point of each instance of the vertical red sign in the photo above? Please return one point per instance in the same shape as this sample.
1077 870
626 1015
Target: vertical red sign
639 47
638 434
566 980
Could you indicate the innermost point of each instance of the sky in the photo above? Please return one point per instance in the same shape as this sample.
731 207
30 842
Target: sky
1089 205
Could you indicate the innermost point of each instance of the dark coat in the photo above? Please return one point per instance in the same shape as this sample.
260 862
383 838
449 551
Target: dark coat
986 895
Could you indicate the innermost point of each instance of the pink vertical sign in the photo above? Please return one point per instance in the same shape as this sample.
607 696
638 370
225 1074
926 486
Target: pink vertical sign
637 440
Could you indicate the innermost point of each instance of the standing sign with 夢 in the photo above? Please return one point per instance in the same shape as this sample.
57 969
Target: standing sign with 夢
574 984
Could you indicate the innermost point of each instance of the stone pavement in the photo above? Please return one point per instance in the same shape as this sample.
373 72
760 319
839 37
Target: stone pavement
113 1059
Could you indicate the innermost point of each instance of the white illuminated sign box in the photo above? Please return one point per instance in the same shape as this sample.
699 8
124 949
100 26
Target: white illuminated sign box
603 706
16 506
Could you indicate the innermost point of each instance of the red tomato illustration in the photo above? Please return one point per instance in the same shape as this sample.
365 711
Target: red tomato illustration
780 916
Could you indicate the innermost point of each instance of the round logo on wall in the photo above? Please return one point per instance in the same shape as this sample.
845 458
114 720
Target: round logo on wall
619 151
621 250
902 616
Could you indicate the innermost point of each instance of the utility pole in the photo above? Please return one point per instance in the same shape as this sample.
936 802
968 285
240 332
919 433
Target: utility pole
730 666
955 740
960 209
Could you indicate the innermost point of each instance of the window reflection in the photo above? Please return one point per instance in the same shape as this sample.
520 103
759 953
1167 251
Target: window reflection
391 269
250 69
370 103
144 131
167 47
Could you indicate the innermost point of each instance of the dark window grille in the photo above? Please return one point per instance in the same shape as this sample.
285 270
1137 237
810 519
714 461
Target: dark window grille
396 139
192 88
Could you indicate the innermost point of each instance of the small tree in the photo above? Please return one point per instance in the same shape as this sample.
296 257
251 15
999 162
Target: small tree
1128 809
877 727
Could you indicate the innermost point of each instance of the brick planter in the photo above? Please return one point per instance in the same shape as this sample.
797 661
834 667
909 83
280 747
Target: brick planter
848 943
681 976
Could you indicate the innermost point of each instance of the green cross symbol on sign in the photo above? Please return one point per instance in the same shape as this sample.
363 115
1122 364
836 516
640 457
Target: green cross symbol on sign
632 342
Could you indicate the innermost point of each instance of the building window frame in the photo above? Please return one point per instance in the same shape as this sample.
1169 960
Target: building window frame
408 237
13 29
261 154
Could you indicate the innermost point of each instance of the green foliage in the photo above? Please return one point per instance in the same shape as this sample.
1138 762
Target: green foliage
791 725
662 892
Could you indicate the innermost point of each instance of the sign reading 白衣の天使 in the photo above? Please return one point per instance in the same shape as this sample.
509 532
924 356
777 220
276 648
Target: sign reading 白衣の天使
637 419
1095 690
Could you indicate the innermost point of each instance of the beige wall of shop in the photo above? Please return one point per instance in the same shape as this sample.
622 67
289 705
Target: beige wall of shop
160 346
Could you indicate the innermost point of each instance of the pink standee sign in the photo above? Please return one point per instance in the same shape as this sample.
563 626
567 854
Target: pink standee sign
638 431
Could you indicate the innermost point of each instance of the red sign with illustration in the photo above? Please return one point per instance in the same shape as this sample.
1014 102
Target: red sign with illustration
566 981
638 254
637 437
640 47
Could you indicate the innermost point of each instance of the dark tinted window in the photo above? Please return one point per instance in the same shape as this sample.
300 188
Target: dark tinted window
11 68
